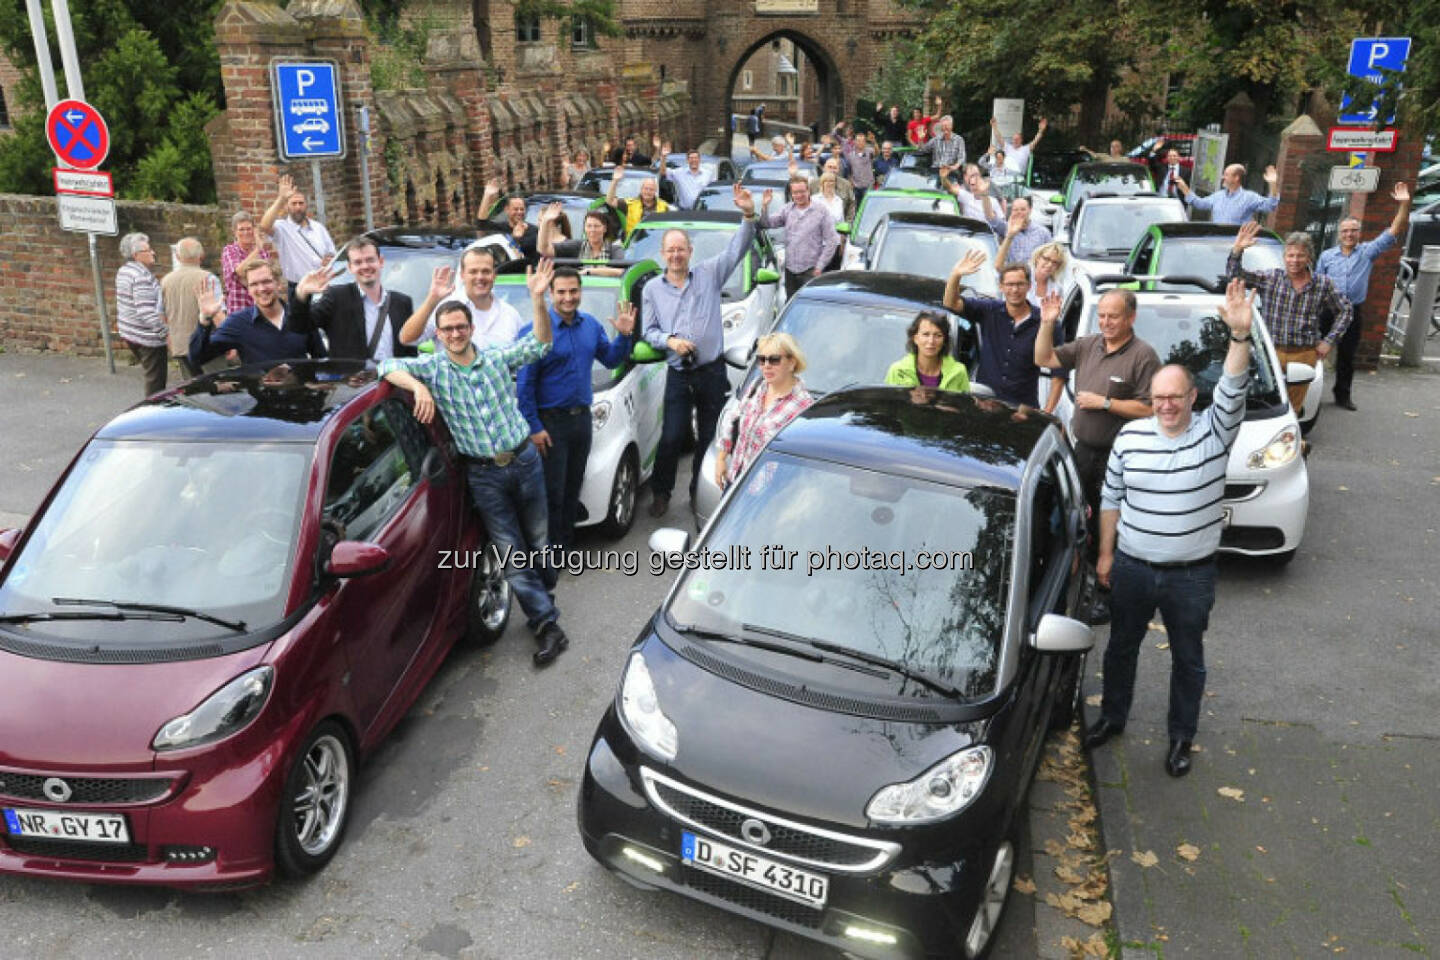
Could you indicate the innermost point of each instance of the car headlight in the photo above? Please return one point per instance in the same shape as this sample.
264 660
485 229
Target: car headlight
640 709
600 413
1281 449
733 317
226 711
942 790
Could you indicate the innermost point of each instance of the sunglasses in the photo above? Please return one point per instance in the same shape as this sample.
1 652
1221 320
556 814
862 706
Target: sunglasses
769 359
452 330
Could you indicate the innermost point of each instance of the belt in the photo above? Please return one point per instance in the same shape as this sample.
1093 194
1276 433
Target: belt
564 411
1173 564
503 458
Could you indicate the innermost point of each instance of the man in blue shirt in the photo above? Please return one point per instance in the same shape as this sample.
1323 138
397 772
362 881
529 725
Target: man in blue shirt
555 394
1349 266
1234 204
263 332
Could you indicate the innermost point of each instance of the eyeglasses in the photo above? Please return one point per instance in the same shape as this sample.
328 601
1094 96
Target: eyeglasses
1016 283
452 330
769 359
1176 398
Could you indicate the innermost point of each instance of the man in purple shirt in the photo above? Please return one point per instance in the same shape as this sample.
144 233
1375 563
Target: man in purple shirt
810 237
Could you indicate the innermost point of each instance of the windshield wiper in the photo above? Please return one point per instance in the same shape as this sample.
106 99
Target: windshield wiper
874 659
40 615
747 641
181 612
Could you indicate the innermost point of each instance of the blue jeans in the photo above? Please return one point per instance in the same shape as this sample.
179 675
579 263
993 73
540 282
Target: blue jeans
1184 596
511 501
705 388
570 436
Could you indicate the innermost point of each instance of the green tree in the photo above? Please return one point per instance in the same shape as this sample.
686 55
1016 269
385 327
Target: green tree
151 69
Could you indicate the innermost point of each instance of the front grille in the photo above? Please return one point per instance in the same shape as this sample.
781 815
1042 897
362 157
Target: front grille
749 898
78 850
1252 538
809 845
103 790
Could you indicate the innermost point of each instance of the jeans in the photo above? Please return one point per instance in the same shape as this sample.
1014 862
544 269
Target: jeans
1090 463
705 388
1345 354
1184 596
570 436
511 501
794 281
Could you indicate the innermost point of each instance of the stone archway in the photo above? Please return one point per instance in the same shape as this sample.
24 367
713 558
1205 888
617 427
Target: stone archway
831 106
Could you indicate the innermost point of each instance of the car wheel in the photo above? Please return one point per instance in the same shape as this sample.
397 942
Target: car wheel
1067 699
992 901
489 609
622 497
315 803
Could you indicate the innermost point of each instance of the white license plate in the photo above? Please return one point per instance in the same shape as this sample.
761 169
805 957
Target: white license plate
1227 514
801 886
64 825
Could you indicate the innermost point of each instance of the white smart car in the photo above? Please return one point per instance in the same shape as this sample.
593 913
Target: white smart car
1267 487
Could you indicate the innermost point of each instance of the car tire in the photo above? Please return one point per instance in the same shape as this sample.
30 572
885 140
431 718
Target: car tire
315 802
488 609
1067 700
994 896
624 491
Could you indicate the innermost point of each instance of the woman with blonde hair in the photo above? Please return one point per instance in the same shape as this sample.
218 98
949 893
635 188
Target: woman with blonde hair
1046 264
774 401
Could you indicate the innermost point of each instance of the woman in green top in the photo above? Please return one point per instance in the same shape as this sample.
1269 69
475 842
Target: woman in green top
928 362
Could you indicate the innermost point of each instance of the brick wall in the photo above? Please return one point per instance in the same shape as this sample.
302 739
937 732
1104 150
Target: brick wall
49 301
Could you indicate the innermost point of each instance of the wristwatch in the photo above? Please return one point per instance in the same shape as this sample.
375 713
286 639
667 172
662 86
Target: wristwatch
1107 404
1245 339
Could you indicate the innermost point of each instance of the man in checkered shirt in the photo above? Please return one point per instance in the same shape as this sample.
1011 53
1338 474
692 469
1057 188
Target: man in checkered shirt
946 149
474 391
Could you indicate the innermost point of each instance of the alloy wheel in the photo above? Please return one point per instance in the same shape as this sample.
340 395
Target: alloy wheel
324 796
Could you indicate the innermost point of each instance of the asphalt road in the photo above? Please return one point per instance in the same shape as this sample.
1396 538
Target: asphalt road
464 841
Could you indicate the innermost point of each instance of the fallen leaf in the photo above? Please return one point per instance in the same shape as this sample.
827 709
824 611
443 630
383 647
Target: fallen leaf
1094 699
1068 874
1162 646
1411 413
520 842
1095 914
1157 627
574 885
1188 851
560 751
1145 859
1234 793
1343 489
1054 847
1024 885
1261 849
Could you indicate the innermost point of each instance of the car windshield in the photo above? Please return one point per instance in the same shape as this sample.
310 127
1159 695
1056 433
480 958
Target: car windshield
912 178
934 253
407 270
1049 170
1205 257
1110 230
876 205
599 181
1122 183
845 344
598 301
1195 337
205 526
946 623
645 245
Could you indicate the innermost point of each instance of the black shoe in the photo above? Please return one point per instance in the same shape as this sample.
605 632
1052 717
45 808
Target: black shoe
1101 731
1177 764
1345 403
1099 613
552 643
659 504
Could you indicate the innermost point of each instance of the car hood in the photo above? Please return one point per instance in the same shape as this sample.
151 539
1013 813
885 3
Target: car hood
789 757
56 715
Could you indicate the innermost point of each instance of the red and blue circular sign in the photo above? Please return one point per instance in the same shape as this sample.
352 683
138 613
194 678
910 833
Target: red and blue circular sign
77 134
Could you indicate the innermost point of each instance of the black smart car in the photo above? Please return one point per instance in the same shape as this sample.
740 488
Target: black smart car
830 724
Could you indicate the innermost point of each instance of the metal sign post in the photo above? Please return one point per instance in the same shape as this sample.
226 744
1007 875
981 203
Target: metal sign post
365 165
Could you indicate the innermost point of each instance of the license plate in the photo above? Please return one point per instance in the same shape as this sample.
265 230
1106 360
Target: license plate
58 825
801 886
1226 515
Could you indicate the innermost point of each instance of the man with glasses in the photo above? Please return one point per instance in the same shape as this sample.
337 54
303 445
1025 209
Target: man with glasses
1160 523
474 391
1349 266
264 332
1008 328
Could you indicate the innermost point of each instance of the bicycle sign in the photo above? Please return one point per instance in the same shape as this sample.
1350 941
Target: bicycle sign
1354 179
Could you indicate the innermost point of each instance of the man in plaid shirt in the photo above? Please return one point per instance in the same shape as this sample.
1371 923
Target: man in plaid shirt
946 149
474 391
1292 299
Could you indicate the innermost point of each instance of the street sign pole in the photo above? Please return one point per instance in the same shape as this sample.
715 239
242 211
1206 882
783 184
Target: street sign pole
365 165
42 52
319 190
74 86
1422 300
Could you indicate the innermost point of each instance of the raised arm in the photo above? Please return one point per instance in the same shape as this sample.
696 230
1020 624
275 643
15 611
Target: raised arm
442 282
964 267
538 280
1237 314
277 206
1039 132
1244 239
489 199
616 176
549 220
1045 355
1401 195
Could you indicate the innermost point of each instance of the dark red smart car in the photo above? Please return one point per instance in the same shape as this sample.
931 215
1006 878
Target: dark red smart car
235 590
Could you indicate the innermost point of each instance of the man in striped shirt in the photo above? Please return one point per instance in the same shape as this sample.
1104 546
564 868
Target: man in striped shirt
1160 520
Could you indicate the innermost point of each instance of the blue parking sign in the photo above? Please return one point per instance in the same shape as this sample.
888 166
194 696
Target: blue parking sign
308 116
1368 56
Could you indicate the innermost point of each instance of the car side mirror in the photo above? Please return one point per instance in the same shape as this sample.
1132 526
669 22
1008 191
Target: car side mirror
8 539
644 353
1297 373
842 228
668 540
767 275
738 356
1058 634
354 558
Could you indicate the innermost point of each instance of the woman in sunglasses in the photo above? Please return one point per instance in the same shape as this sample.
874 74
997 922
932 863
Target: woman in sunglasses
774 401
1046 264
927 362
